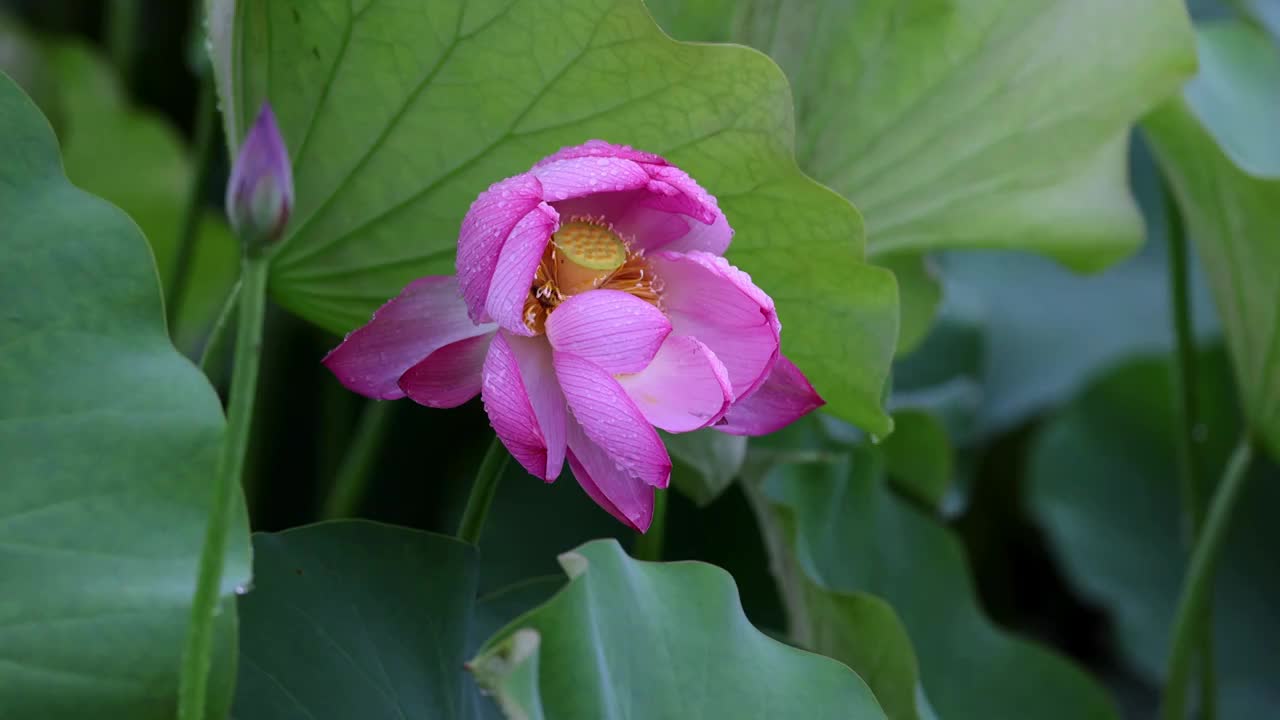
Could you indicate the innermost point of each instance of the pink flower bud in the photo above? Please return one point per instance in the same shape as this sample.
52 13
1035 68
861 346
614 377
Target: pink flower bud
260 191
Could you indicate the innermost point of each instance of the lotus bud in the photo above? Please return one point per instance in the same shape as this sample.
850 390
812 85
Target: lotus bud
260 191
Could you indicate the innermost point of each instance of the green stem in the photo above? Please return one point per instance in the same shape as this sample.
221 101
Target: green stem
215 347
124 28
1184 371
205 151
649 544
1187 411
482 492
357 466
193 683
1191 618
783 565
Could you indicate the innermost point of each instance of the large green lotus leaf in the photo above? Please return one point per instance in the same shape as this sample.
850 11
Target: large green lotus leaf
354 619
398 115
1236 94
864 632
651 640
1231 214
919 295
978 123
856 628
919 457
968 123
851 534
493 611
1104 485
110 440
1012 321
136 160
945 374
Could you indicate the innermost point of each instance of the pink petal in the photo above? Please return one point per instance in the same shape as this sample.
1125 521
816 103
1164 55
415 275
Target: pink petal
576 177
427 315
647 229
612 420
709 299
621 495
545 395
616 331
485 228
449 376
713 238
517 265
600 148
783 398
607 206
659 217
524 403
671 189
668 210
685 387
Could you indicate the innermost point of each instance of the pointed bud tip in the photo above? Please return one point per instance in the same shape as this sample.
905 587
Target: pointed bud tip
260 189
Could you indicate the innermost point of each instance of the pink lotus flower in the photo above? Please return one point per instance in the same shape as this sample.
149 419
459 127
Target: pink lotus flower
592 305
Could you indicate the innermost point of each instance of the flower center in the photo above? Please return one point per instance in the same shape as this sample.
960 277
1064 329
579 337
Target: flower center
584 255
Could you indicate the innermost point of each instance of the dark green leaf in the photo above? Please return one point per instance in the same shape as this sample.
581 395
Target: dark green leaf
1104 484
648 640
864 632
704 462
918 456
353 619
493 612
919 294
853 535
945 374
110 440
856 628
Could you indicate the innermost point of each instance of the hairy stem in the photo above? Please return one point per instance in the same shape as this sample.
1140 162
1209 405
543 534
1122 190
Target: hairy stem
357 465
482 492
1187 409
1191 620
124 29
194 679
649 545
212 362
